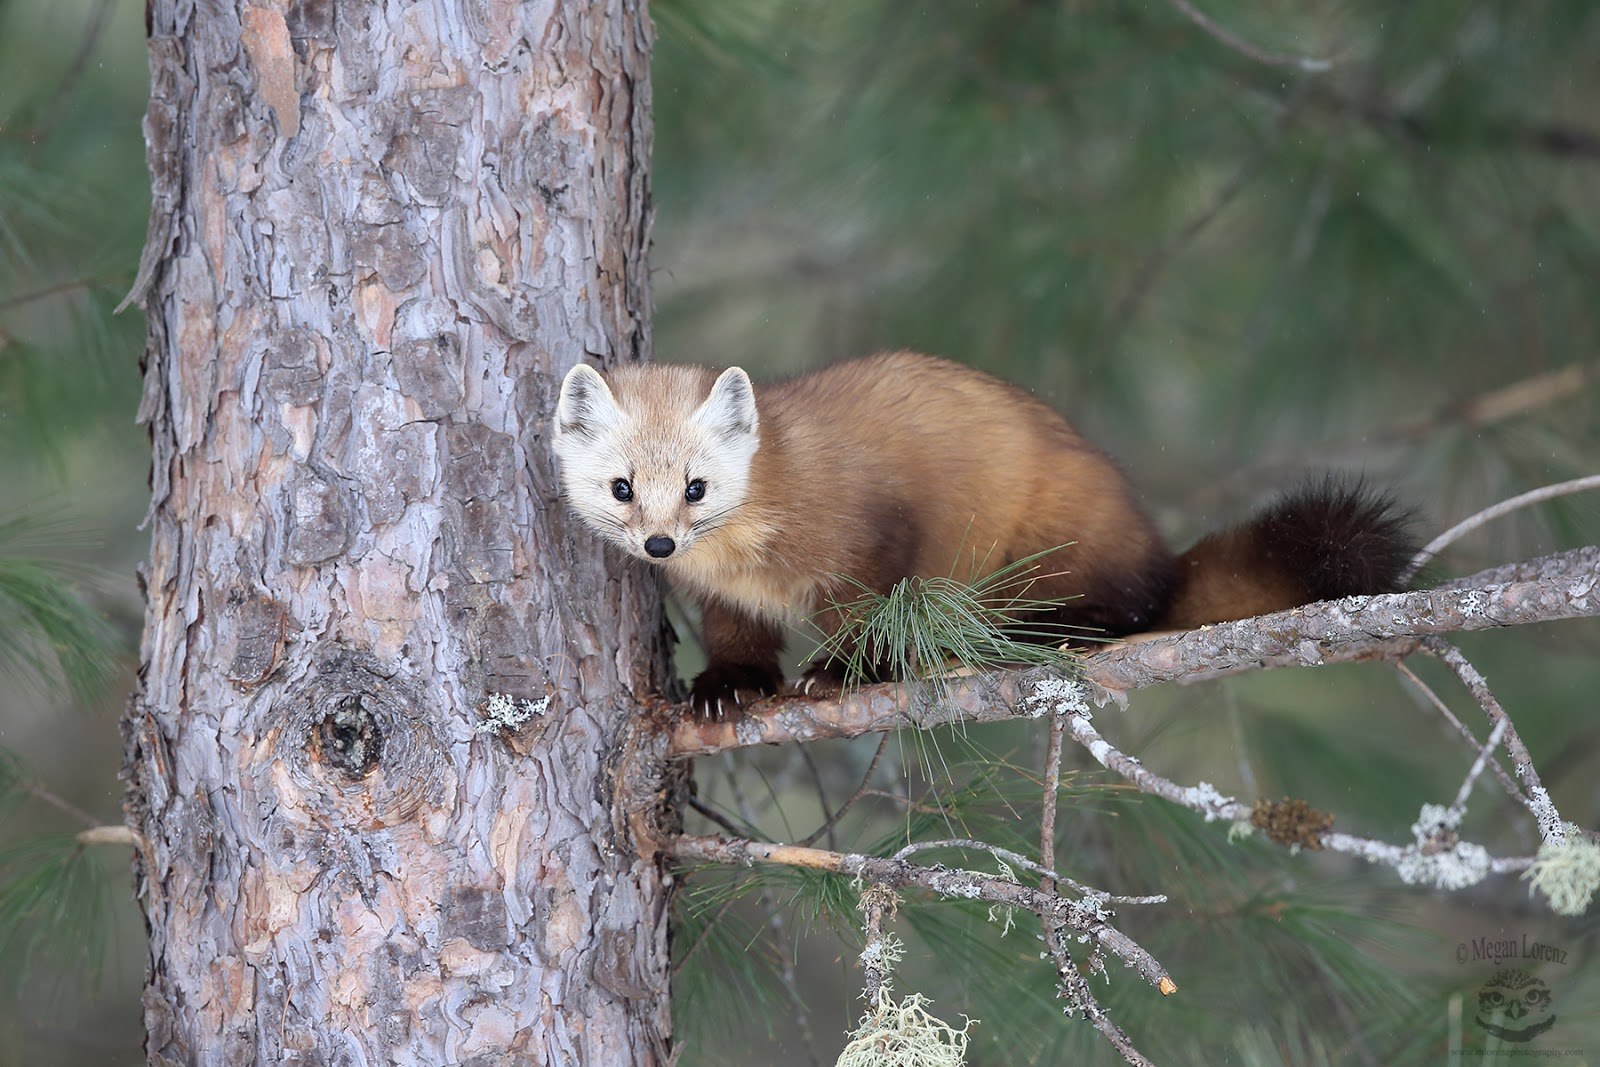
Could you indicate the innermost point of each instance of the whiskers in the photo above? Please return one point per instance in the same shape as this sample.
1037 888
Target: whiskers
716 520
609 527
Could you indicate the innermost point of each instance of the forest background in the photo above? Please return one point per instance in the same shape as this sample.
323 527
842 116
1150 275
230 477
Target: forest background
1290 237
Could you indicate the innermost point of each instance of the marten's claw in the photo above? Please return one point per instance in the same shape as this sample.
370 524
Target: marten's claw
721 690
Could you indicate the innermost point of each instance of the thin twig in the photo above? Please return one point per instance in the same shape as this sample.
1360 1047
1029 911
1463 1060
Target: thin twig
960 884
1047 849
1047 816
1233 41
1241 743
39 792
69 81
1459 805
1205 798
1520 397
1425 132
1489 514
1074 986
780 943
788 976
828 819
715 816
876 901
1513 790
861 791
1551 825
1017 859
29 297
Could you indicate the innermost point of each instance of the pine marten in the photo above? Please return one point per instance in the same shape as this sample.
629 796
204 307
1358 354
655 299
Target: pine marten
768 505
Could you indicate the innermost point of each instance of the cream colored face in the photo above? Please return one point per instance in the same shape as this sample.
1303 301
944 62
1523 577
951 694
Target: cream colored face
660 463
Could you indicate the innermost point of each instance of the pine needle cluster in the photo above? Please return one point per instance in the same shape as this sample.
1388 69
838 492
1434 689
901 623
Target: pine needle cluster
931 629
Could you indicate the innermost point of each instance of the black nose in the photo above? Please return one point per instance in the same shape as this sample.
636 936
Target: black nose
660 547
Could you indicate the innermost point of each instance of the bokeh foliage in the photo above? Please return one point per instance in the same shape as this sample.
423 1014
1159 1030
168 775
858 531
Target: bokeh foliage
1227 272
73 203
1230 273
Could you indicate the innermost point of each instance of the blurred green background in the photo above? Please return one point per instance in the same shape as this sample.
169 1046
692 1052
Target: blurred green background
1227 271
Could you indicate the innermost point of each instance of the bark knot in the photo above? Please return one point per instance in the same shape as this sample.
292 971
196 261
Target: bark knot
361 745
349 738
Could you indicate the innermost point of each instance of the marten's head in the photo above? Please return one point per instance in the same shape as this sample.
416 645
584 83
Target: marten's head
659 457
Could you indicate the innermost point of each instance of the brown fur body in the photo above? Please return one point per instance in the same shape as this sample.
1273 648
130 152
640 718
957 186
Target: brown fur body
900 465
903 464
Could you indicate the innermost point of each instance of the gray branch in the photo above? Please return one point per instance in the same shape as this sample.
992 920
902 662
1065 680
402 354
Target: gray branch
1087 916
1562 586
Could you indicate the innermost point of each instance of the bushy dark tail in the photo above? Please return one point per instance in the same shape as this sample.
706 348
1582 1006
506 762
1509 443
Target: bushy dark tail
1329 538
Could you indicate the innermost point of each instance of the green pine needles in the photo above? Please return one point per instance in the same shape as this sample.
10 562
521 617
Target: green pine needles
932 629
47 633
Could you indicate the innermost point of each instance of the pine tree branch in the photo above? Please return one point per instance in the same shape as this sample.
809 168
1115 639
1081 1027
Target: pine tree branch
1551 825
1074 986
39 792
713 815
1085 916
1562 586
1489 514
861 791
1415 862
1512 789
1574 562
1017 859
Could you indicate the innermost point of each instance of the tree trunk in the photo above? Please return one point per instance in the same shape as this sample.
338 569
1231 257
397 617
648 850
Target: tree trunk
380 235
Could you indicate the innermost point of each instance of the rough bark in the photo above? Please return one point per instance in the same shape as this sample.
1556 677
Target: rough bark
381 233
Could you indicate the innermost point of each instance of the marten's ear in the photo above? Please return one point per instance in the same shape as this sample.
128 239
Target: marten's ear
730 410
586 406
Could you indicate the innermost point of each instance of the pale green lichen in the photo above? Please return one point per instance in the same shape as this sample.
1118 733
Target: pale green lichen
883 953
1060 696
1457 867
1435 819
1567 872
1091 909
1002 913
1205 798
902 1034
1438 858
1551 828
504 712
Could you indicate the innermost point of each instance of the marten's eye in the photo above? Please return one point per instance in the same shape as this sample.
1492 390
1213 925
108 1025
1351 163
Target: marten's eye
695 492
622 490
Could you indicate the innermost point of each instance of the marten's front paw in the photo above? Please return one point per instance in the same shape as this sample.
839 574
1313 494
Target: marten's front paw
822 678
723 688
828 677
